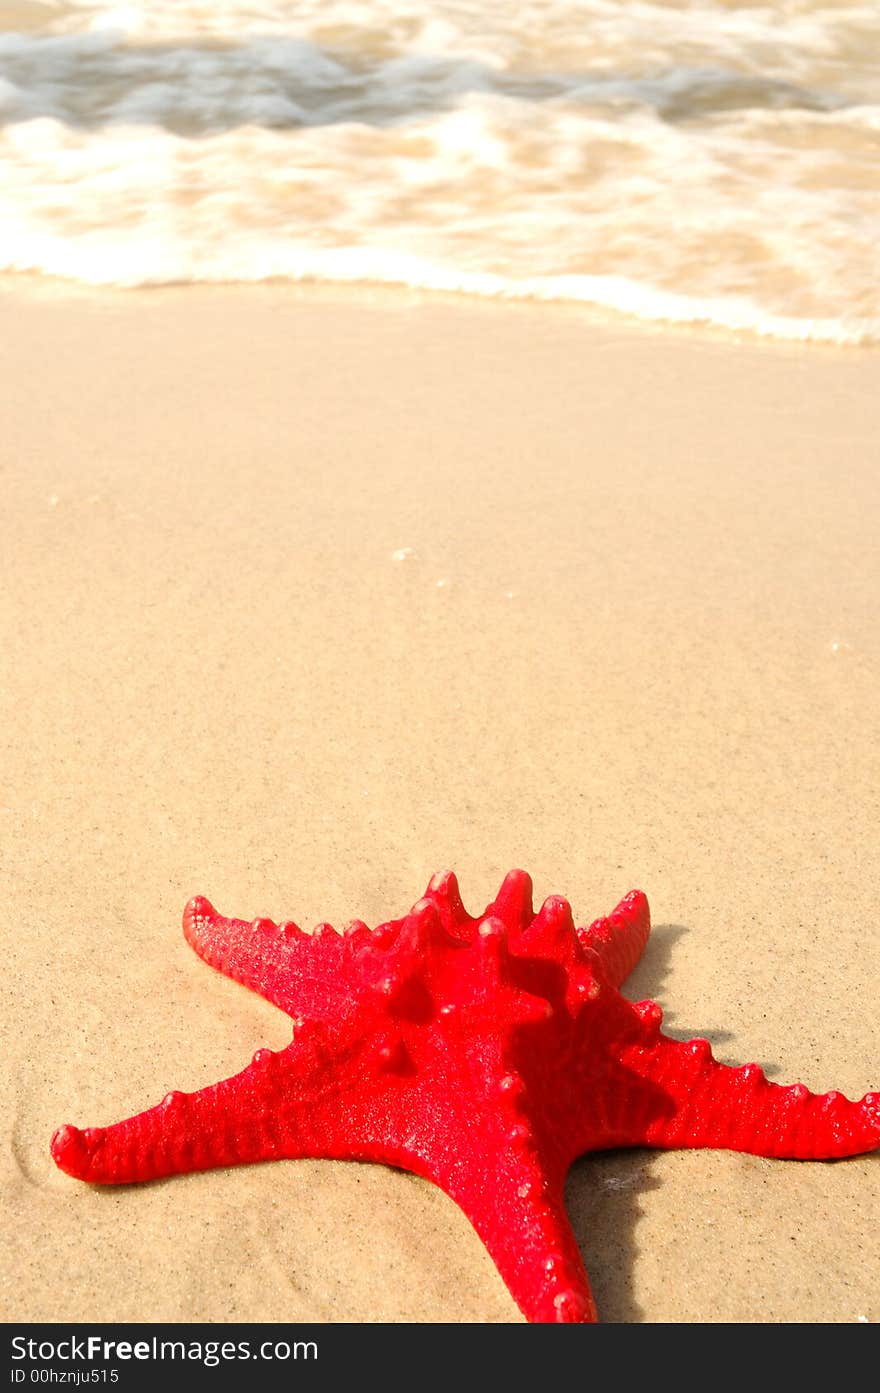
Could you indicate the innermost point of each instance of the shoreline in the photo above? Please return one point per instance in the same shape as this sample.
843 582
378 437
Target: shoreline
27 287
308 598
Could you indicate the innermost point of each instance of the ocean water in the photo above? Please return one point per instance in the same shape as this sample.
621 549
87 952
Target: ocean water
707 161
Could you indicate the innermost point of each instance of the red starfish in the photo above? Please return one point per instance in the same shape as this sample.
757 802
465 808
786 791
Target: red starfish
483 1053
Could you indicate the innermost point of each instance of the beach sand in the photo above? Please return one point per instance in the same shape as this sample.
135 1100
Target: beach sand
306 597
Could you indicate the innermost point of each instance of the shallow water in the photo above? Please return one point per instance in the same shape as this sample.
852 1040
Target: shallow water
705 162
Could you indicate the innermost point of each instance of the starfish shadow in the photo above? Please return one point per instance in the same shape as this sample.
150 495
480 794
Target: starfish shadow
602 1196
647 979
603 1191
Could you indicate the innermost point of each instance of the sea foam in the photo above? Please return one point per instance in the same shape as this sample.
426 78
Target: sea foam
697 163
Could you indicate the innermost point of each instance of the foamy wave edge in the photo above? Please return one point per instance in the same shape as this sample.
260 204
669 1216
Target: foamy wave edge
617 294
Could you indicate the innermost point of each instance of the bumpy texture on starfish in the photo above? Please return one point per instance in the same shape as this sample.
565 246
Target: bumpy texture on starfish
484 1053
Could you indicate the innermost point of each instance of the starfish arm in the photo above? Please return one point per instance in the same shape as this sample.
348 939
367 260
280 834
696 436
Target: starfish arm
519 1212
693 1101
619 940
281 962
260 1114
